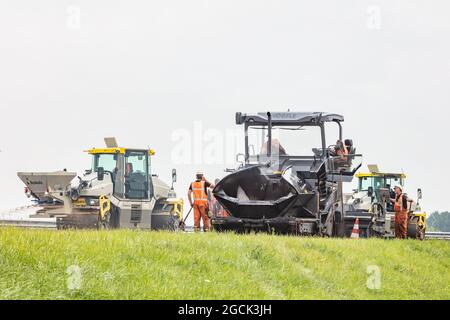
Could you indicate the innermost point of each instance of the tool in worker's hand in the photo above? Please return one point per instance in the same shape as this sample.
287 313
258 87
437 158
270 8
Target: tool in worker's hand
183 222
410 206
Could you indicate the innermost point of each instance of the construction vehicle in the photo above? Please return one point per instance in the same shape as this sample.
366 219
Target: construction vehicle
291 189
370 202
118 191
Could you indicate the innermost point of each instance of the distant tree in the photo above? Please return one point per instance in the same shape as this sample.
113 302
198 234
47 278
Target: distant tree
439 221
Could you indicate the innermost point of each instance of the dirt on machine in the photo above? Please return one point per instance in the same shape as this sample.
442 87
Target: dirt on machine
118 191
291 177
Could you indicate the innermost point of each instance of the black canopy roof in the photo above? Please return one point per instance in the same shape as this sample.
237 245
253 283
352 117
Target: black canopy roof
287 118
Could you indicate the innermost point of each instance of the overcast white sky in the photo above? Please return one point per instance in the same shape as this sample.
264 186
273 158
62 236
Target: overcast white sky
73 72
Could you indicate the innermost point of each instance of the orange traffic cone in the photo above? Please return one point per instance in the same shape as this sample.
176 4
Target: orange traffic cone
355 231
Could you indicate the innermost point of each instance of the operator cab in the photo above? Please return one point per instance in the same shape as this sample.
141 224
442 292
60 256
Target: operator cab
374 183
128 169
298 139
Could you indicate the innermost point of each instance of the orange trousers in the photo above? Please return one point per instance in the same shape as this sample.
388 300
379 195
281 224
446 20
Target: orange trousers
200 213
401 225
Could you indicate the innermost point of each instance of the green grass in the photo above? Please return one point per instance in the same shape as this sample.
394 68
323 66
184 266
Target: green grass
148 265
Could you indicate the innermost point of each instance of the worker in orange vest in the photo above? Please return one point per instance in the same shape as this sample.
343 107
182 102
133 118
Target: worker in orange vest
199 190
215 208
341 150
401 213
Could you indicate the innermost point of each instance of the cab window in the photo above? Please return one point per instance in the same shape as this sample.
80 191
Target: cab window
374 182
106 161
136 175
393 181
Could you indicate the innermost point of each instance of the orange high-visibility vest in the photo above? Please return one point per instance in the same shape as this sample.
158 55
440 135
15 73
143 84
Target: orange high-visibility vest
198 188
398 206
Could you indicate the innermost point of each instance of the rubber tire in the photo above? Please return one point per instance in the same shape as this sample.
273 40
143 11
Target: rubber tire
173 224
338 227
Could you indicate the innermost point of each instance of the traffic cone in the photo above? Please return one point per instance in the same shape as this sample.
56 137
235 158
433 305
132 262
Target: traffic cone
355 231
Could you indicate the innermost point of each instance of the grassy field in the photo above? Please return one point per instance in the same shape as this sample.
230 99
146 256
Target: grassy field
147 265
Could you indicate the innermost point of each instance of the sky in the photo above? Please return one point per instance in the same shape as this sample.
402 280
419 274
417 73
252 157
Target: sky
171 74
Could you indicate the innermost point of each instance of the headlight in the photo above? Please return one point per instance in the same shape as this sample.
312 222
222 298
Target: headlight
93 202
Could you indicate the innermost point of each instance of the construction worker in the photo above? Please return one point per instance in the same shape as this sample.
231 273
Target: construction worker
401 213
199 190
341 150
215 208
277 148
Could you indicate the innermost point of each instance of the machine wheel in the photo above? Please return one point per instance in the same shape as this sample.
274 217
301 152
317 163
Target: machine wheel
415 229
421 233
339 226
369 230
219 228
174 224
105 224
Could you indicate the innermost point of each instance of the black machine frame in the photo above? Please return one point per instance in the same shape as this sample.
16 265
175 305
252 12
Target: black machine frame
320 171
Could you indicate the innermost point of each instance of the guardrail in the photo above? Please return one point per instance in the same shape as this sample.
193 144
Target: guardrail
437 235
33 224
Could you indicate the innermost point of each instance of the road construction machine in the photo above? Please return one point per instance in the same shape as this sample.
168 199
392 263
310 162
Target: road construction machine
370 202
290 180
118 191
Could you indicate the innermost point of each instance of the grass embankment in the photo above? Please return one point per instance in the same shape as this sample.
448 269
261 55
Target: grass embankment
148 265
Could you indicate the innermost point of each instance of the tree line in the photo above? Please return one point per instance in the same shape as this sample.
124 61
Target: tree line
439 221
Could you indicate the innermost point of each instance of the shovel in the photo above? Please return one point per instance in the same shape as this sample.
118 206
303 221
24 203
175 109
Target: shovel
183 222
